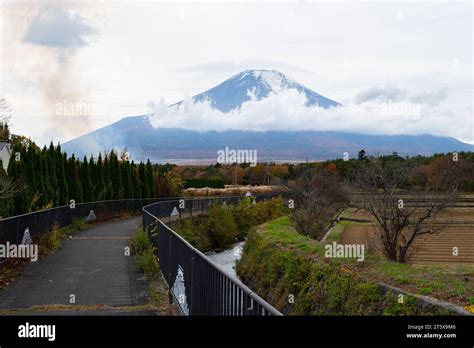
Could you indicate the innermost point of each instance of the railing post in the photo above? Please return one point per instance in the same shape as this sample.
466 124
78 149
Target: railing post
36 224
169 261
18 230
191 308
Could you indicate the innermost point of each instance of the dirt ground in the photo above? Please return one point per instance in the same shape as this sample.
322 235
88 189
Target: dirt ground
457 235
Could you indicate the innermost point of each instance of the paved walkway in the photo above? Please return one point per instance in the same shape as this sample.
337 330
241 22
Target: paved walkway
91 266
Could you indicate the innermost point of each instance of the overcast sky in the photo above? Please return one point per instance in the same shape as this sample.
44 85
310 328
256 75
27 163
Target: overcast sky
107 60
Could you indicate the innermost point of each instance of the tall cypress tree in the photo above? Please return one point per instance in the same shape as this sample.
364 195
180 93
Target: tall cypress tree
100 190
93 171
80 192
17 172
127 180
137 192
116 176
62 177
47 193
144 182
107 180
87 187
6 204
151 183
40 194
29 174
74 184
53 177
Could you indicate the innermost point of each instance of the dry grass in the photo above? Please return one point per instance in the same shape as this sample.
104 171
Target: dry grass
231 190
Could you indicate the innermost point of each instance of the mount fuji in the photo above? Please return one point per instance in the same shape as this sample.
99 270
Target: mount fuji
177 145
232 93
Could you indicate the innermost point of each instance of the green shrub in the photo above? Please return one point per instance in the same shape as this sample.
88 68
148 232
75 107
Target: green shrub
139 242
148 263
220 226
51 241
194 231
78 224
245 216
224 225
144 251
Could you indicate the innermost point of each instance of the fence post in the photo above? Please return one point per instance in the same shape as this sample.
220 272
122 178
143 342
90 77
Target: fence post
191 308
18 230
169 260
36 224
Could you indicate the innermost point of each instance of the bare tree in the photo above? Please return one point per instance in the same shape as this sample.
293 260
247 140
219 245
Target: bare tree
403 215
318 195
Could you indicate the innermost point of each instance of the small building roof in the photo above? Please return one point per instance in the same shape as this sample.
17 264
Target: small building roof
3 144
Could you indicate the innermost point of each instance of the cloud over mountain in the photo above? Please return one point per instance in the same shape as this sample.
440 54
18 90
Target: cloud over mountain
273 102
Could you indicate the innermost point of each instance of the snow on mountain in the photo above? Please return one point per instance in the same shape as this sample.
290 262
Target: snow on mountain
258 84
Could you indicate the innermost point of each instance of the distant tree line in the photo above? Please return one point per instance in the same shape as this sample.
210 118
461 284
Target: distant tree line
427 168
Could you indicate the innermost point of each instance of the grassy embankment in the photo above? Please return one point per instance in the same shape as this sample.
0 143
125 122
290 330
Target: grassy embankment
280 264
222 226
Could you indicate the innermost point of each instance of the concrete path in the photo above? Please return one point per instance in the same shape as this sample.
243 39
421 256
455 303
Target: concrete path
91 266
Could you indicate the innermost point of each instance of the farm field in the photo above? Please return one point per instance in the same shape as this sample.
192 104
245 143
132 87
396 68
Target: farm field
458 232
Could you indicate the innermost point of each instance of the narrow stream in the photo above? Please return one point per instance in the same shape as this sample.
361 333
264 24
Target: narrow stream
228 258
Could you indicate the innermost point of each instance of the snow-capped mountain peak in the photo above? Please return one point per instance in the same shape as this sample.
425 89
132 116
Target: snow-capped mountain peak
258 84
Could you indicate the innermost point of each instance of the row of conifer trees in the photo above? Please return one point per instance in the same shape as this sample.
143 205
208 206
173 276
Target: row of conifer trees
47 177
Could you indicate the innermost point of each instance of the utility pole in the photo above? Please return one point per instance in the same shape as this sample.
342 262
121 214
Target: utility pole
266 177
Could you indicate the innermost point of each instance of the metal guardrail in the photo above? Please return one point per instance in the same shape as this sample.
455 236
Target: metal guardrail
13 228
198 285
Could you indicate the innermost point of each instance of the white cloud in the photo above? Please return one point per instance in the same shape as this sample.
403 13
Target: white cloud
60 29
392 93
287 111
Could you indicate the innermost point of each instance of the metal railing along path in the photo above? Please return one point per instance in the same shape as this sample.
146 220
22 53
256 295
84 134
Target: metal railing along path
198 285
12 229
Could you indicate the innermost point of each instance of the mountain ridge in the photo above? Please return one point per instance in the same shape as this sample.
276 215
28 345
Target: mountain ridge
176 145
137 135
